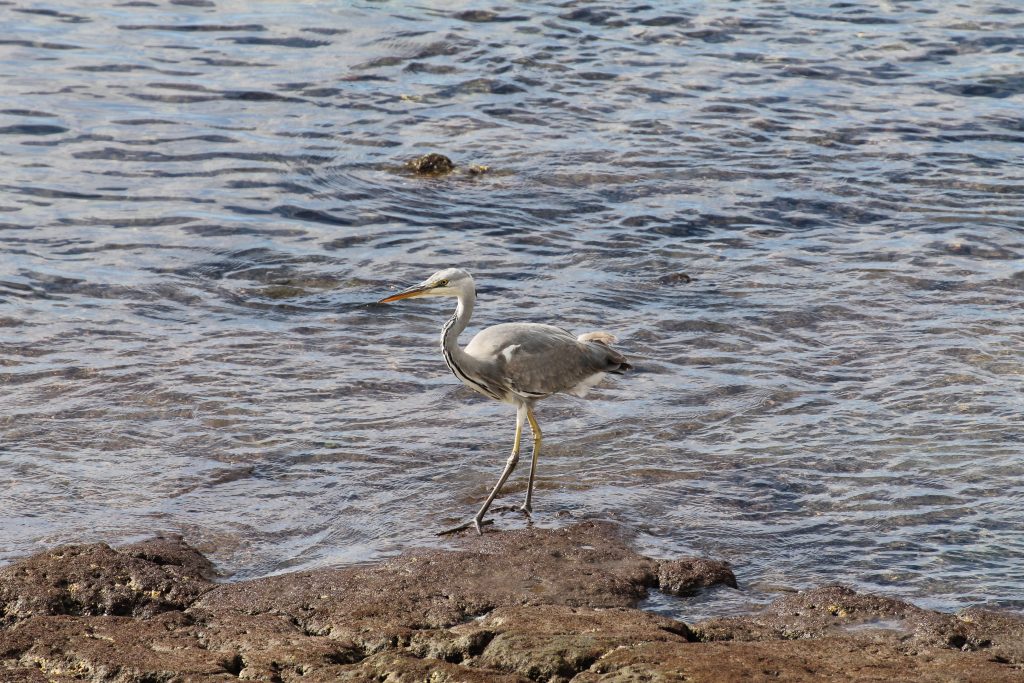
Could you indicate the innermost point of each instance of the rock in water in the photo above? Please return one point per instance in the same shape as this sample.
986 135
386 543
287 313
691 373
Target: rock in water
431 164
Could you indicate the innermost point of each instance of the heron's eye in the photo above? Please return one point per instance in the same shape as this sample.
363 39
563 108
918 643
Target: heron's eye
441 283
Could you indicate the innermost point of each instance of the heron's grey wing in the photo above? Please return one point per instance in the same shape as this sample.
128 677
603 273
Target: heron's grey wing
535 361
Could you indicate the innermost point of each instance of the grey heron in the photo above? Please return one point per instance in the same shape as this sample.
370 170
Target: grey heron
516 363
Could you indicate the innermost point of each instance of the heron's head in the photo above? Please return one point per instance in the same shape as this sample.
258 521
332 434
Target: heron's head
447 282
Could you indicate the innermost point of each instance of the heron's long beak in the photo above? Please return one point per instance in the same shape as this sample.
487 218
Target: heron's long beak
417 290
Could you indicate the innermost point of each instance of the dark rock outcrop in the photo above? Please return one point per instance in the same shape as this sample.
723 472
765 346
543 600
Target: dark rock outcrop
436 165
431 164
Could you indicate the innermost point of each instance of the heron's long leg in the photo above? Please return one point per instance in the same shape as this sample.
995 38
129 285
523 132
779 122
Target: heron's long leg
535 428
521 413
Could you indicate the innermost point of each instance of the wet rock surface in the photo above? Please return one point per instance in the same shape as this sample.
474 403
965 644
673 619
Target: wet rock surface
688 575
534 604
830 609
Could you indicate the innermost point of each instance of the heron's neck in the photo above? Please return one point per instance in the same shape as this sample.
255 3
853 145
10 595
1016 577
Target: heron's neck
471 370
454 327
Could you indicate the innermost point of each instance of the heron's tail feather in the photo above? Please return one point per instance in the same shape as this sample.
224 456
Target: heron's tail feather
616 362
599 337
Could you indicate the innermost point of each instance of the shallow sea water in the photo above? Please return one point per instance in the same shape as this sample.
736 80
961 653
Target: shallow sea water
805 225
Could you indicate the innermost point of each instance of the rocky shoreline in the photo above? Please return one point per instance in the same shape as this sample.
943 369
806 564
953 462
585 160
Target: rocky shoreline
533 604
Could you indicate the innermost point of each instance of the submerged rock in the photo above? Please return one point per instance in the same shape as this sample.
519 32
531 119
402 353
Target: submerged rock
534 604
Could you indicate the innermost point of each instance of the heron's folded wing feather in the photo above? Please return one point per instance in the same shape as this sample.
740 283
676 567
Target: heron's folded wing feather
534 360
548 361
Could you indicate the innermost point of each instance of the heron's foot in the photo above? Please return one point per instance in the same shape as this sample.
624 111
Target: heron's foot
524 509
478 524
